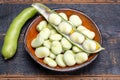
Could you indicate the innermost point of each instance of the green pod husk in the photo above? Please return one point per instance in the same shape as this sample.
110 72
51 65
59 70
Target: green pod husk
11 38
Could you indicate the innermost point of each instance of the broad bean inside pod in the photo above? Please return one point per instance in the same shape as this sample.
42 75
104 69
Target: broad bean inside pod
76 49
86 32
90 45
77 37
65 27
54 19
63 15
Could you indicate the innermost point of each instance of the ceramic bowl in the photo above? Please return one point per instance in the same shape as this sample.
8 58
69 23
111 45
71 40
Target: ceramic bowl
31 33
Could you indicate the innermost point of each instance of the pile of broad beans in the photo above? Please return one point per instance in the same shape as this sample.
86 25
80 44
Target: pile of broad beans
57 50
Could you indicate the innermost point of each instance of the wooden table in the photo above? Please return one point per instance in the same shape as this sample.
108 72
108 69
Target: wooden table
107 65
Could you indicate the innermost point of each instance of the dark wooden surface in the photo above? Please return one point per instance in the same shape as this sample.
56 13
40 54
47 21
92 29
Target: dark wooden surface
62 1
106 16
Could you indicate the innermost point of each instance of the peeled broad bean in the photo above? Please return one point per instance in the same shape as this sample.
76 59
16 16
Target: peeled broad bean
63 15
66 44
55 37
65 27
81 57
53 56
37 42
89 45
56 47
77 37
52 31
41 25
44 33
50 62
42 52
76 49
69 58
54 19
75 20
47 43
60 61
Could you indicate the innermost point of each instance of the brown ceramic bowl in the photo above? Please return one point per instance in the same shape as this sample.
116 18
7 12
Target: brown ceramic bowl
31 33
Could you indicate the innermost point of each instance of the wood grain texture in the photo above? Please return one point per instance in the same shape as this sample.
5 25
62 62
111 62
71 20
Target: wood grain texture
62 1
106 16
61 77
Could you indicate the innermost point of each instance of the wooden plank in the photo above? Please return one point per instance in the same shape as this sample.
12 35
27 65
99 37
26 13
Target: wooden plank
1 1
62 77
62 1
105 67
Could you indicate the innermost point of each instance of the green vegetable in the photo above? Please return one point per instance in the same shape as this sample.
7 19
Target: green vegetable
12 35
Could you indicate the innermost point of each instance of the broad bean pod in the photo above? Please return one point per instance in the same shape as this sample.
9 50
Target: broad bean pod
10 41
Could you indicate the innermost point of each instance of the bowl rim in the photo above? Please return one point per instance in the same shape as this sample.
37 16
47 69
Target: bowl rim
64 69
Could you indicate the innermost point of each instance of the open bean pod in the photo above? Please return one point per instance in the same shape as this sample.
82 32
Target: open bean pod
77 38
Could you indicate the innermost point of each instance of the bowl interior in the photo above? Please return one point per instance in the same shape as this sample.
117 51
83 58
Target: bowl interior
32 33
